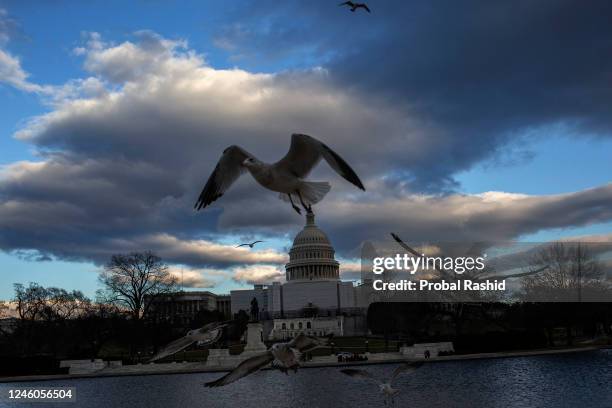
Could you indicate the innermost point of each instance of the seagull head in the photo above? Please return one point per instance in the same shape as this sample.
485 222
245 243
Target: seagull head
280 347
251 163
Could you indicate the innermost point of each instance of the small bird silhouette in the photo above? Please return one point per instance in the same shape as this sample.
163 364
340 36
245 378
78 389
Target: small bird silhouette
355 6
250 245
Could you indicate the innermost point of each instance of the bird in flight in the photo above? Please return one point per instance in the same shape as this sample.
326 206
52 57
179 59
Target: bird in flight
207 334
286 176
355 6
284 356
384 385
250 245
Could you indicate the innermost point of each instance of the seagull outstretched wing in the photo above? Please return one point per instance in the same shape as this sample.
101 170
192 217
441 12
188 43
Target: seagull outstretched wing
243 369
306 343
360 374
213 332
227 171
405 368
173 348
306 152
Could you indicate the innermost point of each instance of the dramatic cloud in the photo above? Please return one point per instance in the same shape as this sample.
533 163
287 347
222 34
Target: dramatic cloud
258 274
125 151
202 252
485 73
491 216
126 164
195 278
472 218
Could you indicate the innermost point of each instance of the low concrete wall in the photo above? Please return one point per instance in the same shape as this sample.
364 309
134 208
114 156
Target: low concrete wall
83 366
418 350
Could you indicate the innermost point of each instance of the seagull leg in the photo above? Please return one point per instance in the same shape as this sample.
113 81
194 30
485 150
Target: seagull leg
308 207
295 207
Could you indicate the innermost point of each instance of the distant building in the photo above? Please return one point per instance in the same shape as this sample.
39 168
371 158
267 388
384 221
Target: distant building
313 326
224 305
182 307
312 289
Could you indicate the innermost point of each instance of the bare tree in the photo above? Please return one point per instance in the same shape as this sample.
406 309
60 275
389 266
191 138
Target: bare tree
573 272
134 280
30 301
66 305
574 275
36 302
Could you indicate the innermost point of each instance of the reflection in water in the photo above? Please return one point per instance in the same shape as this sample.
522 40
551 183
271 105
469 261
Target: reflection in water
571 380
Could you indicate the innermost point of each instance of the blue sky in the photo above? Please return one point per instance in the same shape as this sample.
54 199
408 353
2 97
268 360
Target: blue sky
457 109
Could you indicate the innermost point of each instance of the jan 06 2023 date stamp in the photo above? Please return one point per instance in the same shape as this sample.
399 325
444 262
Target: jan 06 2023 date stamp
39 394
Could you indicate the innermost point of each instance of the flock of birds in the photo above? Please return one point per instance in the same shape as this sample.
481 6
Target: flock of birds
283 356
286 177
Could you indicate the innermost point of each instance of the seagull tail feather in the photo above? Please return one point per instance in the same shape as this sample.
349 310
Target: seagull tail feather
314 191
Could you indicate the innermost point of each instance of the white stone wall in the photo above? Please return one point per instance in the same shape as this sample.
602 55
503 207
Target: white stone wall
322 294
313 326
295 296
418 349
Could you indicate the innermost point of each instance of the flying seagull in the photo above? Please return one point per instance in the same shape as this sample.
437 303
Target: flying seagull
448 273
284 356
355 6
286 176
208 334
385 386
250 245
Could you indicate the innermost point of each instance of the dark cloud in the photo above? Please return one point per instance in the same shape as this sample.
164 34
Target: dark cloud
125 152
488 217
481 72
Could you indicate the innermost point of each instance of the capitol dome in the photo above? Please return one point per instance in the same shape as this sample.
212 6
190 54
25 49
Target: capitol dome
312 256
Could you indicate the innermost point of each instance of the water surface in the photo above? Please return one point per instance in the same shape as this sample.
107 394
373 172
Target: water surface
579 380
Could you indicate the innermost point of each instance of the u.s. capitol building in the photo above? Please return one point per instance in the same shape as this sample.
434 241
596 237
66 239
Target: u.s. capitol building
313 299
